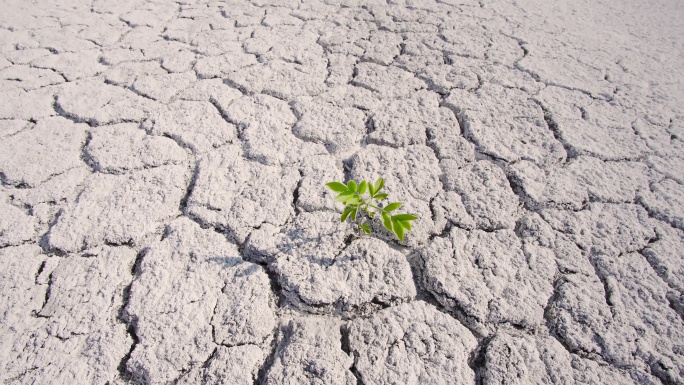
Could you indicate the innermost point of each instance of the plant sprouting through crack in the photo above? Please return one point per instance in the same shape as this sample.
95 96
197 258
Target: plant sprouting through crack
358 199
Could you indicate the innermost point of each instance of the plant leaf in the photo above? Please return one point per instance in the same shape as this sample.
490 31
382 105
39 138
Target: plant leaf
363 186
343 194
380 196
342 197
352 200
366 229
351 186
392 206
386 221
371 189
405 224
353 213
404 217
379 184
398 230
346 213
337 186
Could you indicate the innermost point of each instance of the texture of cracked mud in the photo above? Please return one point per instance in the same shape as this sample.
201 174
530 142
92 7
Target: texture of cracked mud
163 216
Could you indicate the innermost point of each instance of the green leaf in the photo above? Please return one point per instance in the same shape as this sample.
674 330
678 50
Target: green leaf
398 230
363 186
351 186
366 229
371 189
404 217
392 206
353 214
405 224
371 214
352 200
346 213
379 184
342 197
381 196
337 186
386 221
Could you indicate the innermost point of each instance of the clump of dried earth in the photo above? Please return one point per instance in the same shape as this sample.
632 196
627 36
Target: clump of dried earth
163 218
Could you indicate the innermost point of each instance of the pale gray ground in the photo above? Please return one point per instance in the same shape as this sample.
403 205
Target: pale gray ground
163 216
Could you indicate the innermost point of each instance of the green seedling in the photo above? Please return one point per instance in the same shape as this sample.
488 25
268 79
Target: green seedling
358 199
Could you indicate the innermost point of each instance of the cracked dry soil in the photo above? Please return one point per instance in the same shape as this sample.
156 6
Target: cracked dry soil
163 218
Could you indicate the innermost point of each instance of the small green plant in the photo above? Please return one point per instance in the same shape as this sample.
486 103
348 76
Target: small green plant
358 199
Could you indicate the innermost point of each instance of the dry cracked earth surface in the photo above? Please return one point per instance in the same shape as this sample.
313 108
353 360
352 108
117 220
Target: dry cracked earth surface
163 217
